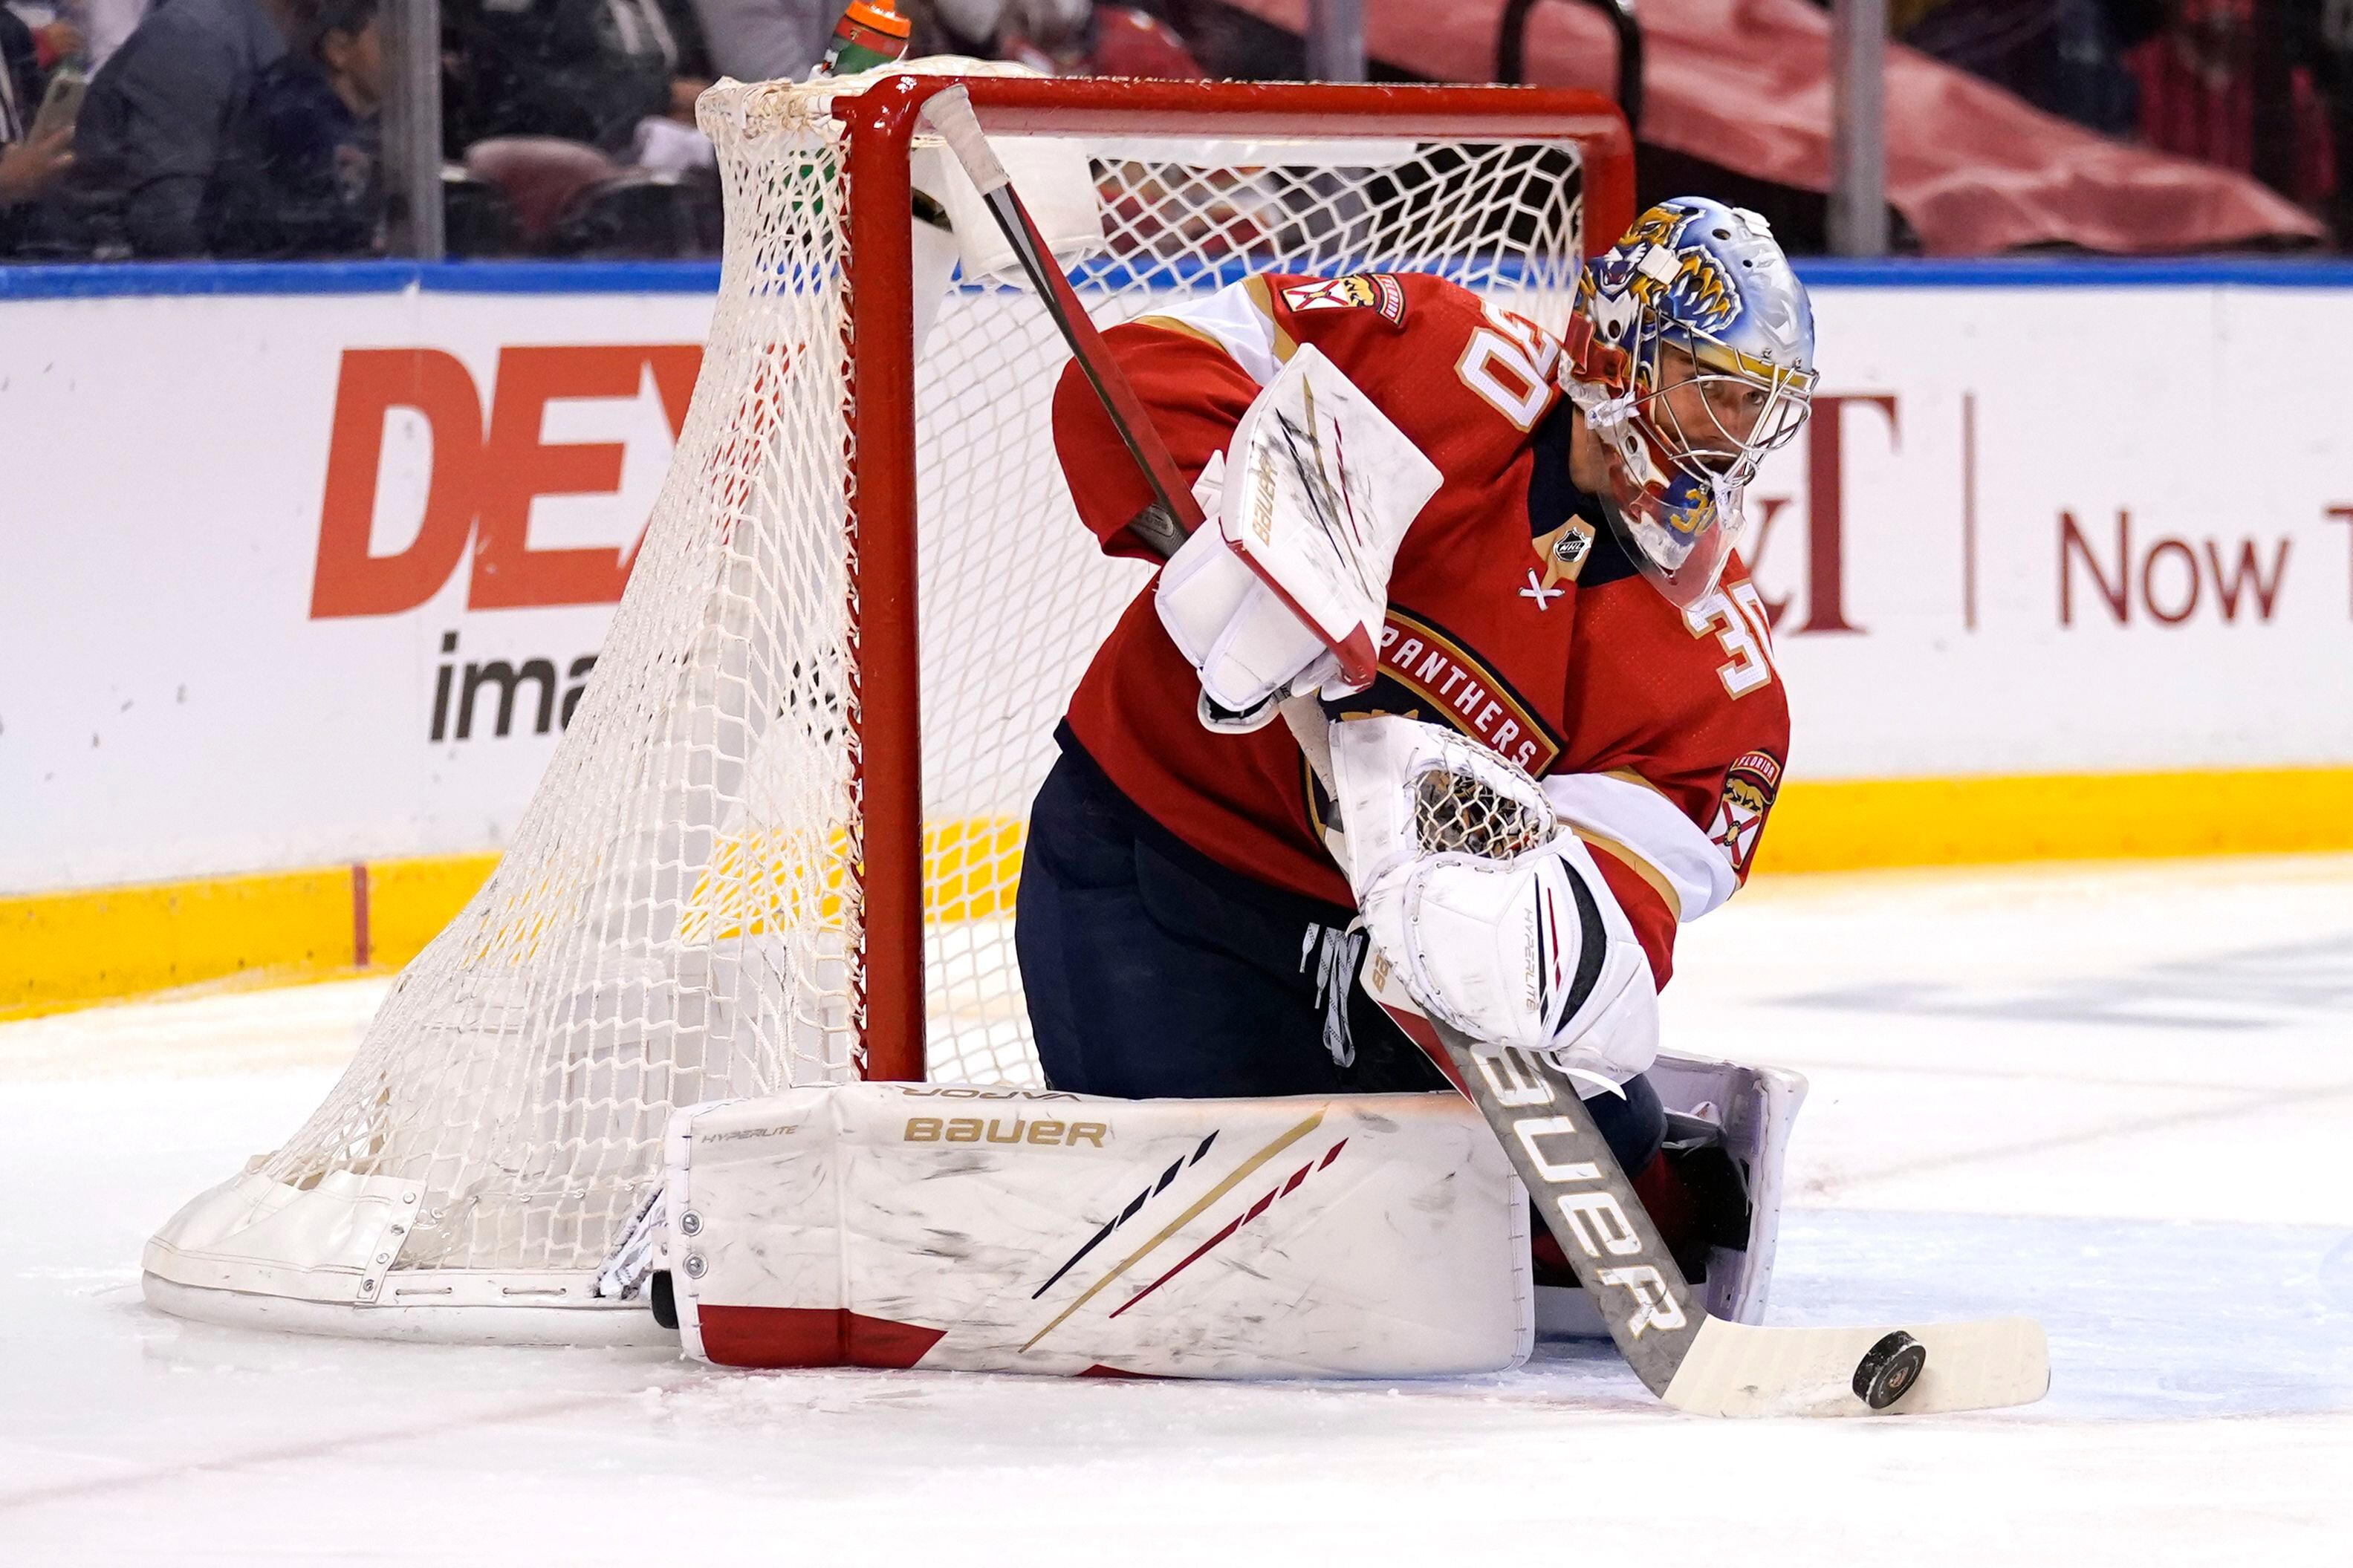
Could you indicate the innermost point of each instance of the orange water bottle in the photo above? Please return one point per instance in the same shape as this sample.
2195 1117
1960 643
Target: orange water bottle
869 33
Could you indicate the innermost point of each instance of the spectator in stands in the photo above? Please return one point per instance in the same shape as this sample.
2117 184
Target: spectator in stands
2329 49
152 127
766 41
1232 44
56 37
585 70
298 175
2064 56
1065 37
108 23
983 27
2261 86
30 165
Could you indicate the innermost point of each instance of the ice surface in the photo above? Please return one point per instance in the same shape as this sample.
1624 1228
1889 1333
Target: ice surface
2120 1098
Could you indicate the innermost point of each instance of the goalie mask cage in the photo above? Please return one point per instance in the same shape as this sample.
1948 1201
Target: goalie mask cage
778 843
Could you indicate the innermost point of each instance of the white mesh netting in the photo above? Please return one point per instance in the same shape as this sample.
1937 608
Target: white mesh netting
676 919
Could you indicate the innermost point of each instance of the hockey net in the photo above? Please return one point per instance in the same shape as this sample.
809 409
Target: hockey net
714 890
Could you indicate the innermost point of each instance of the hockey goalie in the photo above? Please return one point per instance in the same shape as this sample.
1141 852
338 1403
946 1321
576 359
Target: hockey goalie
1498 567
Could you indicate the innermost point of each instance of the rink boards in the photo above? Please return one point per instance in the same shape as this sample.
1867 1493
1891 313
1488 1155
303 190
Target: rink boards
2062 567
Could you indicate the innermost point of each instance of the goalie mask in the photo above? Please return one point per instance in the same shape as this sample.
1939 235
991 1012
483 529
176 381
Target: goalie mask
1691 353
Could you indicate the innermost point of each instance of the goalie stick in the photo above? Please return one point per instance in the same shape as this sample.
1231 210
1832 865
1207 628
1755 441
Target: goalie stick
1694 1362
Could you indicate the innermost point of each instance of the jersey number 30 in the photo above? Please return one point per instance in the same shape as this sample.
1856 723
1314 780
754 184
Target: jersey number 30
1735 613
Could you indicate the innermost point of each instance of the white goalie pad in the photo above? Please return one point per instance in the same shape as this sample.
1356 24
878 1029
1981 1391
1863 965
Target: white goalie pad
1014 1230
1750 1111
1747 1113
1319 487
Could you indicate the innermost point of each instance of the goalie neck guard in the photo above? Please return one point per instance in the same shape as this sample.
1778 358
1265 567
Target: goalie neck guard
1691 353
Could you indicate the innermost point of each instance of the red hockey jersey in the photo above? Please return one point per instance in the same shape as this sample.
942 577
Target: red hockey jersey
1661 733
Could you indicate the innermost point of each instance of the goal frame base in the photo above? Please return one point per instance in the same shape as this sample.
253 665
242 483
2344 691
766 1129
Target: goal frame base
581 1321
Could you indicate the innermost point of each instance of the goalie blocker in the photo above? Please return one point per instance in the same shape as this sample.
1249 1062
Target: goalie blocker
1287 592
1012 1230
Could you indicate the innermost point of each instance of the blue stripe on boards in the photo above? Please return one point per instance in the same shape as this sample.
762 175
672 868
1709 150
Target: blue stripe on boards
165 279
2076 272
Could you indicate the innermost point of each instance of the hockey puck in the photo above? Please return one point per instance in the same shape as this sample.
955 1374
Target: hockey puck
1889 1369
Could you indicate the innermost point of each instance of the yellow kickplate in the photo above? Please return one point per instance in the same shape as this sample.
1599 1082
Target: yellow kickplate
64 950
70 949
67 950
1869 824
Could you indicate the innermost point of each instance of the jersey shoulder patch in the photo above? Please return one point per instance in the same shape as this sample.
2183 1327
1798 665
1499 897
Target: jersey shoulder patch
1379 293
1750 784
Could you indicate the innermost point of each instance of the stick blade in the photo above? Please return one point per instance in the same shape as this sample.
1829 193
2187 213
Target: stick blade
1739 1369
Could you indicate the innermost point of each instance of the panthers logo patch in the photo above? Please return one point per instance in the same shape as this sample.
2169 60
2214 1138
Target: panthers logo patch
1376 291
1749 785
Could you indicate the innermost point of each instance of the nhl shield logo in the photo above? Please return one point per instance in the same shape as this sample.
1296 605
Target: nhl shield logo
1563 552
1749 786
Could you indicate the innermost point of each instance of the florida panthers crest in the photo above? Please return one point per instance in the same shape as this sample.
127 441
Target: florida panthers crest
1379 293
1750 784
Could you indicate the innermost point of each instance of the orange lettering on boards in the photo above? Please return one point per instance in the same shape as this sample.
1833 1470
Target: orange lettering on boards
484 476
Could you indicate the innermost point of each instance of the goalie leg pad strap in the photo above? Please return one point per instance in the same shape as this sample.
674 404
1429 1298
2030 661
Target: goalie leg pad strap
1746 1113
1752 1110
1011 1230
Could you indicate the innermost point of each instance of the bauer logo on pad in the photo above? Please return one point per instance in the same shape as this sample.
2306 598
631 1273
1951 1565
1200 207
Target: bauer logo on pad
1002 1130
1376 291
